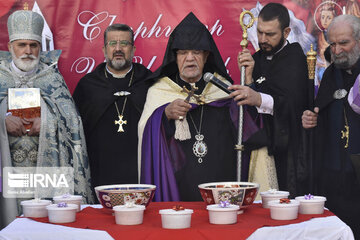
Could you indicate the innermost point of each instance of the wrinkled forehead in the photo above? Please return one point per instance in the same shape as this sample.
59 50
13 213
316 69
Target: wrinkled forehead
340 32
192 52
189 50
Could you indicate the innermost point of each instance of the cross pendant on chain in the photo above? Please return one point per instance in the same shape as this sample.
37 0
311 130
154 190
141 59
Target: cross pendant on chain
120 122
345 134
191 93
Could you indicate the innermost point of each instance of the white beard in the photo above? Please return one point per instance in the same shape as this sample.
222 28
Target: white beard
347 60
25 66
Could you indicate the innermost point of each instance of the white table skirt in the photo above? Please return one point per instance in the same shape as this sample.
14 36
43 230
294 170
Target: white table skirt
325 228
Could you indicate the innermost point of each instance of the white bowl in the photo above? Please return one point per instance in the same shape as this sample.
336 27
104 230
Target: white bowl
311 206
62 214
268 196
172 219
129 215
284 211
69 199
35 208
223 215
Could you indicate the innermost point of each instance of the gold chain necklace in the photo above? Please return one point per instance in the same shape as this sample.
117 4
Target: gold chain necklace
199 148
121 121
345 133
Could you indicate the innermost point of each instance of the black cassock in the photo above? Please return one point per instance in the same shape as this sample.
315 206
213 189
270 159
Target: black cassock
336 174
219 164
112 154
220 135
285 79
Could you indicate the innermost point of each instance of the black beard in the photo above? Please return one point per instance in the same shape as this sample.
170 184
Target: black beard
274 49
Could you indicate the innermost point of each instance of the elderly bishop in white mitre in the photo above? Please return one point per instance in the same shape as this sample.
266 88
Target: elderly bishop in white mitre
55 138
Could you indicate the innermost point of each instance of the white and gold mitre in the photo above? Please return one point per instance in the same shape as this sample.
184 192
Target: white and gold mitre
26 25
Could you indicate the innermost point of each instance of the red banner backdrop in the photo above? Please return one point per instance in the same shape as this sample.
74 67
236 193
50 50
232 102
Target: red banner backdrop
78 26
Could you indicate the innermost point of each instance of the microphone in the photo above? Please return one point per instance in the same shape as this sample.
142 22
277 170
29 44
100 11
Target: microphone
209 77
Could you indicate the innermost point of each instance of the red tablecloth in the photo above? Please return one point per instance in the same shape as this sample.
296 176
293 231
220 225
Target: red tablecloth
254 217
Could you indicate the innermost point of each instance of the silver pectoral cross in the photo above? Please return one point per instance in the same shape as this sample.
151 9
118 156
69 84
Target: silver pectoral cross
120 122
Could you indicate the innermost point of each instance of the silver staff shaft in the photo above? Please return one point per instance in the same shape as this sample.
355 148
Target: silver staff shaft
244 43
240 130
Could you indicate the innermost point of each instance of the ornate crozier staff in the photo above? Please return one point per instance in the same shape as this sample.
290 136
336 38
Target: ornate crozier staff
244 43
311 62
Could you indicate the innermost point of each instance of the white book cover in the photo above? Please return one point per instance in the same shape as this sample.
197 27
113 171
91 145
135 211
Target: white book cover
20 98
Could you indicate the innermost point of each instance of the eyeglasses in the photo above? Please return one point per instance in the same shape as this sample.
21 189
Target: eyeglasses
123 43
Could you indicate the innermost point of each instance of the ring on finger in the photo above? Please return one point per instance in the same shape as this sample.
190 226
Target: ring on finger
181 118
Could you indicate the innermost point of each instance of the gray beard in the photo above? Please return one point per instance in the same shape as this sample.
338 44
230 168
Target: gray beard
25 66
349 60
118 65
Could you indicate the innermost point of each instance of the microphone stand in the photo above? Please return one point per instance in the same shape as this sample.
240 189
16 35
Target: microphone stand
244 43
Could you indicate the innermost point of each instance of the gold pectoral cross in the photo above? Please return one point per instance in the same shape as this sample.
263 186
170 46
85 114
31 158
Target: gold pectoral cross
345 134
121 122
191 93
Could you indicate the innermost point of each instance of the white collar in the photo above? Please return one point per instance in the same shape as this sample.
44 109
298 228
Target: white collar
118 75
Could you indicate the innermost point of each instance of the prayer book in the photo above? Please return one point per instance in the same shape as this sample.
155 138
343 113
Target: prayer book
24 103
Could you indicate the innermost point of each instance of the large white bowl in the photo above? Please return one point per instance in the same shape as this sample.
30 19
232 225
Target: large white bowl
238 193
112 195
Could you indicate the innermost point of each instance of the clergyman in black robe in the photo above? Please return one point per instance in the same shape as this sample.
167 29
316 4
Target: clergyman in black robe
175 164
337 132
279 76
104 94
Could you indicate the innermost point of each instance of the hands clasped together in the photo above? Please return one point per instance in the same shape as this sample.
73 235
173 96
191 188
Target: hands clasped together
15 126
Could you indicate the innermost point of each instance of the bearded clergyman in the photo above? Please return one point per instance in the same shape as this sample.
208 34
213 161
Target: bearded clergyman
336 121
110 101
188 127
55 137
276 79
